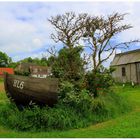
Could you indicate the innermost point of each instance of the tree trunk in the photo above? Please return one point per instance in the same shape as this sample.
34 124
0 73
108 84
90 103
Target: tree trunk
94 71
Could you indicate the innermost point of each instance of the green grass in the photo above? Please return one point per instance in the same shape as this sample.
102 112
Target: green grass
1 80
127 125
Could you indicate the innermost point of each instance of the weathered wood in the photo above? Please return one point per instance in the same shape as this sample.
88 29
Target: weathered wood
26 90
138 72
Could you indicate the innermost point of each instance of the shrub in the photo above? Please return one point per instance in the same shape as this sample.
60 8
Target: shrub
71 96
68 65
99 80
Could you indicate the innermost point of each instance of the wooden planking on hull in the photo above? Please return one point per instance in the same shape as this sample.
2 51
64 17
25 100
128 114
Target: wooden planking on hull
24 90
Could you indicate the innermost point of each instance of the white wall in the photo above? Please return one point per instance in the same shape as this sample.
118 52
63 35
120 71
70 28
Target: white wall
130 73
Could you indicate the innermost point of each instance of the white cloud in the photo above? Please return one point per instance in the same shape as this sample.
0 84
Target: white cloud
37 42
24 28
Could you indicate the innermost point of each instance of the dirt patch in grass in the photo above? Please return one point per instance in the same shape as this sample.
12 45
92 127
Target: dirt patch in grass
1 87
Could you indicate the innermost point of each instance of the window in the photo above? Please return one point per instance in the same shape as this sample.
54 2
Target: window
123 71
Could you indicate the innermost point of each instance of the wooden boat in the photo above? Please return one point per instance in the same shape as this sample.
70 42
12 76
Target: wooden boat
25 91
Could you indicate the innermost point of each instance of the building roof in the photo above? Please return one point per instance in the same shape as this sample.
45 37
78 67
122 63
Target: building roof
126 58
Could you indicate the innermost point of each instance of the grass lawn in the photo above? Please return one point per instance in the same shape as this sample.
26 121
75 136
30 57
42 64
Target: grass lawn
127 125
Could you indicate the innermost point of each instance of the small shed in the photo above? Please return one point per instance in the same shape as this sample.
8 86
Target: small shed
127 66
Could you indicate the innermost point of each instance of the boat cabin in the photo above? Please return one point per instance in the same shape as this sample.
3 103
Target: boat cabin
34 70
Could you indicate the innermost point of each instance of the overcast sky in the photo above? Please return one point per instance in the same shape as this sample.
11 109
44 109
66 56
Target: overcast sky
25 31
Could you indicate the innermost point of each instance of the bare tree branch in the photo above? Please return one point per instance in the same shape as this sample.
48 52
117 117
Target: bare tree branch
68 28
52 51
99 31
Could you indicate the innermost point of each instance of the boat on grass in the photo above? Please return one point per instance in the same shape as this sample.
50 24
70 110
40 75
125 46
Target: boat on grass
26 91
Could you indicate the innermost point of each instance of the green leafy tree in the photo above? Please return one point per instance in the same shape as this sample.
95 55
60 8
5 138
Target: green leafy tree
68 65
5 60
13 64
41 62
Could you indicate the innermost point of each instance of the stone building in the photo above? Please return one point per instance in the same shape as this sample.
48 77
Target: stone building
127 66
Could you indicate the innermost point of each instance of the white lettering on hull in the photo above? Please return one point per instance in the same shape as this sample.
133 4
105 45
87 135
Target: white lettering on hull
18 84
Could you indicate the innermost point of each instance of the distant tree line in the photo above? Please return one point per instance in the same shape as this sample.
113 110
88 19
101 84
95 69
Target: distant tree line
6 61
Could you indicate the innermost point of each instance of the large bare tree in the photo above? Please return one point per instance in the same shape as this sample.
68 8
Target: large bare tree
98 35
68 28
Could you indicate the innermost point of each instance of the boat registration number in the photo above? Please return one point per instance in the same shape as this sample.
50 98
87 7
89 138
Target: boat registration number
18 84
